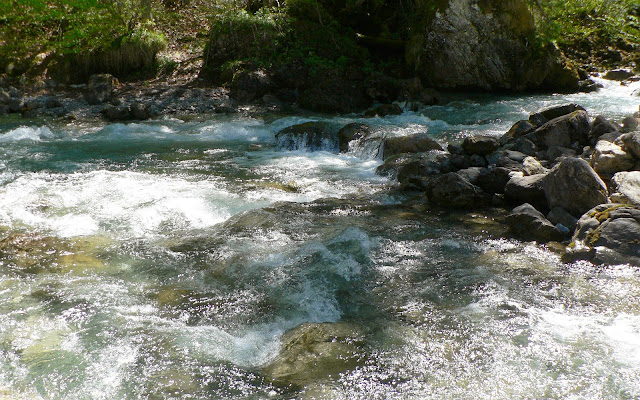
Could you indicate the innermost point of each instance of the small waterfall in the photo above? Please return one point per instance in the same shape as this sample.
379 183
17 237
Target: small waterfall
310 136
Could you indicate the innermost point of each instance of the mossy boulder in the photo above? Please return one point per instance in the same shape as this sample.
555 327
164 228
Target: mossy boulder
35 253
317 351
607 234
574 186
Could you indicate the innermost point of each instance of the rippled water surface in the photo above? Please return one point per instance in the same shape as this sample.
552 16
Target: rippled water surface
177 259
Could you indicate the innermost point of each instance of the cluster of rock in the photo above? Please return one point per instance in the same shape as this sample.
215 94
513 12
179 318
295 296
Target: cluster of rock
558 168
106 98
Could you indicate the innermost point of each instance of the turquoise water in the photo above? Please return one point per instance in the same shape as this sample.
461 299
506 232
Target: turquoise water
169 258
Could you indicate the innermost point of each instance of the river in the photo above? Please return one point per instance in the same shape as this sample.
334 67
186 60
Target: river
168 259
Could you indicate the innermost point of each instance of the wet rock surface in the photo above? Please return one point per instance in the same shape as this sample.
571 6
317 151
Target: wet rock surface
315 351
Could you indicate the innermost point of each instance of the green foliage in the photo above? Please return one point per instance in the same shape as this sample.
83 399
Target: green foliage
71 27
570 21
298 31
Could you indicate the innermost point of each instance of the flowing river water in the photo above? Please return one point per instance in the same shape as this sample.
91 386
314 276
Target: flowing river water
169 259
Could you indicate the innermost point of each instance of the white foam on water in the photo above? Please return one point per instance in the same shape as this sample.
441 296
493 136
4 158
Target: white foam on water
250 349
624 335
26 133
129 204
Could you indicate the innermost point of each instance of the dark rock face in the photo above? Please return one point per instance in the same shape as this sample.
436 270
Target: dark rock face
351 132
251 85
559 215
608 233
136 111
453 191
601 126
383 110
547 114
493 180
574 186
618 75
311 136
526 189
334 95
526 220
100 88
414 171
481 145
518 130
418 143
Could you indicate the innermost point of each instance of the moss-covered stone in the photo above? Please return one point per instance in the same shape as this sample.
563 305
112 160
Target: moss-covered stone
313 352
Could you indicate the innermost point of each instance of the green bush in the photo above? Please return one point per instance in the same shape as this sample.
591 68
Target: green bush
570 21
74 29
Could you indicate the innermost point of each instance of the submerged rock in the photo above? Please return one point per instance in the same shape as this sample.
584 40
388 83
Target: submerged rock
313 352
34 253
608 233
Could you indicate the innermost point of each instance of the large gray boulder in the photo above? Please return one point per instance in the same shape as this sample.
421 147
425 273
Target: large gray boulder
451 190
417 143
482 45
607 234
625 187
609 158
481 145
564 131
526 189
574 186
547 114
631 143
529 223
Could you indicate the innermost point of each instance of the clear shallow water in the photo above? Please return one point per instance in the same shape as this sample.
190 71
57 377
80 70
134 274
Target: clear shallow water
168 259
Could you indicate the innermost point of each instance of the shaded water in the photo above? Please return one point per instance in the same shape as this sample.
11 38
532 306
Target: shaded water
168 259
